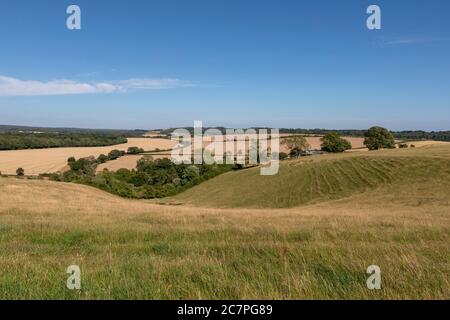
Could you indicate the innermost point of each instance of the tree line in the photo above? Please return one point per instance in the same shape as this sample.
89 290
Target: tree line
18 141
375 138
406 135
28 129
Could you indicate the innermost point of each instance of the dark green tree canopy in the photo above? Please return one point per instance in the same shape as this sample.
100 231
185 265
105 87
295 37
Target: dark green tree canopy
135 150
115 154
379 138
19 141
332 142
20 172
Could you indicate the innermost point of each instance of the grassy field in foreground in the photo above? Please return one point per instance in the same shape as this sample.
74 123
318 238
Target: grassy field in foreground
321 249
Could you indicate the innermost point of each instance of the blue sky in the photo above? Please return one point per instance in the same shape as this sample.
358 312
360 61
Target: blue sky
236 63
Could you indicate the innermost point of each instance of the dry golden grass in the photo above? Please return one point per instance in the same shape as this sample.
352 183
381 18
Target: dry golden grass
417 144
131 249
427 143
152 134
36 161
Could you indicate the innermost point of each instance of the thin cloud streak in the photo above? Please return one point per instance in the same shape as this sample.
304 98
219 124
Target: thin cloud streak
407 41
12 87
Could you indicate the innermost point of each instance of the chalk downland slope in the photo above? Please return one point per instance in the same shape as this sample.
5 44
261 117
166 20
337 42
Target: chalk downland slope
320 178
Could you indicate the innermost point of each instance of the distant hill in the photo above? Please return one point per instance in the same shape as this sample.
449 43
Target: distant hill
28 129
407 135
23 137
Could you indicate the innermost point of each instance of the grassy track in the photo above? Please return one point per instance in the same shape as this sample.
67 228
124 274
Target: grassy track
389 209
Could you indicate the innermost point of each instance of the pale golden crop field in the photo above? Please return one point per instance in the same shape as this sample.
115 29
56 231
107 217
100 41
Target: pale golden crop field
36 161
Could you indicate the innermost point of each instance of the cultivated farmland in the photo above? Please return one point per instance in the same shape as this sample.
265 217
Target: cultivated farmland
129 162
36 161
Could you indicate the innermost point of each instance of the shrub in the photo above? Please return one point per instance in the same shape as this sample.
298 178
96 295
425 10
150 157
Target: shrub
102 158
283 155
403 145
71 160
332 142
50 176
20 172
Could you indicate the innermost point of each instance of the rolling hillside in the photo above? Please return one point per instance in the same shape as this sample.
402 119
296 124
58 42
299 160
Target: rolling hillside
321 178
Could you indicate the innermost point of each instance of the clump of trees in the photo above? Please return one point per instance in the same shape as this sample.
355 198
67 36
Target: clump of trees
151 178
135 150
379 138
332 142
115 154
83 166
297 145
18 141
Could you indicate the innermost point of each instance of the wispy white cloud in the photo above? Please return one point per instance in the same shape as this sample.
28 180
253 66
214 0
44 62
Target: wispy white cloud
406 41
16 87
151 84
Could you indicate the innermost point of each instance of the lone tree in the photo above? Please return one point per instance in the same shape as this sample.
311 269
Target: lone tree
297 145
20 172
379 138
332 142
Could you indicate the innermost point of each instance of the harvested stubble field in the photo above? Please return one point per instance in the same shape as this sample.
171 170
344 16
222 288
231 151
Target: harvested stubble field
37 161
314 142
274 245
